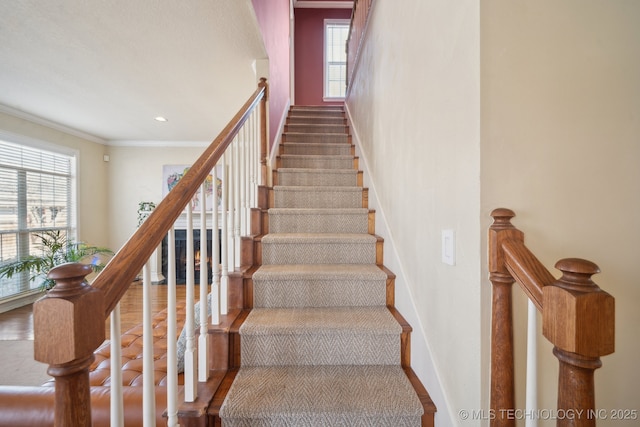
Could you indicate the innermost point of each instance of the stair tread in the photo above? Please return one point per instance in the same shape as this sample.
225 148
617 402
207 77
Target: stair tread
315 156
297 271
373 320
327 188
295 238
317 211
318 170
314 133
331 393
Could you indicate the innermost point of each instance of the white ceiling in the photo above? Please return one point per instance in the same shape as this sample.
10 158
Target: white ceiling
106 68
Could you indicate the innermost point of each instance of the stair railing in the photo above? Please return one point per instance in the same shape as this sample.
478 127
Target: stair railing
359 21
69 322
577 318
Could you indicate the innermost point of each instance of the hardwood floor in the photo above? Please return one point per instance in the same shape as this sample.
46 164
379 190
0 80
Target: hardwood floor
17 324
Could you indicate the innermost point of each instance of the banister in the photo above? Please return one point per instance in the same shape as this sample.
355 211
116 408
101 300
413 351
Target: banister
578 319
357 28
114 280
69 321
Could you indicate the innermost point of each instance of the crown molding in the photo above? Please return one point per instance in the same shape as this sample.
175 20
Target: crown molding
310 4
152 144
19 114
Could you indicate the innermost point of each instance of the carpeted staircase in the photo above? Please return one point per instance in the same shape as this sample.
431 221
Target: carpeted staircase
323 345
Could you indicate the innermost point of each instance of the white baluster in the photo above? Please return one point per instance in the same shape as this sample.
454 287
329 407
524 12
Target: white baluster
117 401
148 371
252 154
203 339
242 173
247 181
255 171
236 206
224 280
172 333
531 403
215 253
190 385
231 205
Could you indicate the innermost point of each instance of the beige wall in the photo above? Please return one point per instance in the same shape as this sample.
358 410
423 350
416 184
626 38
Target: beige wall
560 146
93 222
534 106
135 175
415 108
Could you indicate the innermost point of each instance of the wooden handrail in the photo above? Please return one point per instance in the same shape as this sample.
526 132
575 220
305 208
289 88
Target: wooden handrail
69 321
577 318
357 27
114 280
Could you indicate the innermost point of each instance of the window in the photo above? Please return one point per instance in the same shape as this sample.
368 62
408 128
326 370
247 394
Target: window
335 58
37 193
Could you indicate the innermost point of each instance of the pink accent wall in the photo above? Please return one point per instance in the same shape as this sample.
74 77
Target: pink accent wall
273 18
309 49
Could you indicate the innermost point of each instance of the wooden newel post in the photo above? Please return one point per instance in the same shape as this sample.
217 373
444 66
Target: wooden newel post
578 319
68 327
264 135
502 373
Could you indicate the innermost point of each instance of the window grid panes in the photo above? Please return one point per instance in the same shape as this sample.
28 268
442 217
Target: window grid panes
335 67
35 195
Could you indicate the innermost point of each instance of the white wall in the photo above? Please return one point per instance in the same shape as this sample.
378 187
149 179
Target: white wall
561 146
414 103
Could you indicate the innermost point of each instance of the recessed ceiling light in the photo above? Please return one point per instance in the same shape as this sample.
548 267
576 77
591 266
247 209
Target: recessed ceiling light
161 119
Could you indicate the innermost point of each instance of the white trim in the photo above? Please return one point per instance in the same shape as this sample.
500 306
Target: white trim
40 144
20 300
309 4
48 123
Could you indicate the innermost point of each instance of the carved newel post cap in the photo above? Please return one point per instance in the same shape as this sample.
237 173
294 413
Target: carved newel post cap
502 217
500 231
69 320
578 316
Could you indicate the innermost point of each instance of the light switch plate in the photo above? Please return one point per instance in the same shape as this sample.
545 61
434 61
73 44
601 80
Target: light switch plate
449 247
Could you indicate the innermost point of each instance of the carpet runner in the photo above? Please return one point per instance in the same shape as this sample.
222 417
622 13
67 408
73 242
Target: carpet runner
320 347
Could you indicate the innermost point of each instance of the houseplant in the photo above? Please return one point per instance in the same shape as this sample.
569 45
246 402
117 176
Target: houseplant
56 249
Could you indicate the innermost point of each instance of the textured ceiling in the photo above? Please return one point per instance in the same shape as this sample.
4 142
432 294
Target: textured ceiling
108 67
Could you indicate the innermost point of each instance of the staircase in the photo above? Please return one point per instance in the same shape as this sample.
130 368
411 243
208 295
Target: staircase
323 345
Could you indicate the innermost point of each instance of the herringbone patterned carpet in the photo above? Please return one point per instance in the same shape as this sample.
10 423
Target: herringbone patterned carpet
320 348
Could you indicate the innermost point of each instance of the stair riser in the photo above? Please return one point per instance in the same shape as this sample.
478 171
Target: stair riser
325 420
316 162
317 199
318 253
317 149
312 128
318 293
324 348
316 138
290 178
316 113
319 223
316 120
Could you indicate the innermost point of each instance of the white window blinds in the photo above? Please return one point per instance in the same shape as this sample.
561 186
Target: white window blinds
36 194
